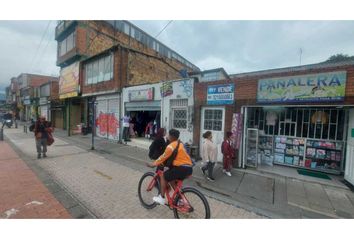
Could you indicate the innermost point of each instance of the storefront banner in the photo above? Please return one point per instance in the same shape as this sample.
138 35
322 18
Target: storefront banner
166 89
321 87
220 94
141 95
69 81
236 129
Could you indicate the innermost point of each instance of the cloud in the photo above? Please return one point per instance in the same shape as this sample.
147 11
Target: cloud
238 46
19 41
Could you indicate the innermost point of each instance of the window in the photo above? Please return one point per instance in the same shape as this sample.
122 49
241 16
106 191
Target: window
67 44
126 28
180 118
99 70
316 123
213 119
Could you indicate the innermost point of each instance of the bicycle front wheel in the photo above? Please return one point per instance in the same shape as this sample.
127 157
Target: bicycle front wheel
147 189
198 206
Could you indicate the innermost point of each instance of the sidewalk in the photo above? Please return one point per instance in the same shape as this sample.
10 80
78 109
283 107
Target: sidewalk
22 195
105 181
273 195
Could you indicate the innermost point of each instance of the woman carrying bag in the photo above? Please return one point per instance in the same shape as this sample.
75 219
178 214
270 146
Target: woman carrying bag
209 155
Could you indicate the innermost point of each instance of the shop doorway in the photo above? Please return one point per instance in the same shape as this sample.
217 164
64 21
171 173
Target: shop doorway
349 165
144 123
213 119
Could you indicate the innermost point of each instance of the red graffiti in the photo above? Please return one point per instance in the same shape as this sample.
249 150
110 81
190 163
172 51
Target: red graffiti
107 123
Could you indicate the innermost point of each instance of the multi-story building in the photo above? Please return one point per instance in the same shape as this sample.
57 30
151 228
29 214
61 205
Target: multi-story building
48 102
99 58
27 93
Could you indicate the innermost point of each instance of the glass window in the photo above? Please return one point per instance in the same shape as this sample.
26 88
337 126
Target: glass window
107 68
213 119
101 70
70 42
126 28
63 47
94 72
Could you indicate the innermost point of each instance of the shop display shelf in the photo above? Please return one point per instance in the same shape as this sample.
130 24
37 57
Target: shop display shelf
324 159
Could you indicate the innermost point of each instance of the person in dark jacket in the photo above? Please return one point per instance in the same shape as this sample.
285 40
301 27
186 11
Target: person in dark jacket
228 153
41 130
158 146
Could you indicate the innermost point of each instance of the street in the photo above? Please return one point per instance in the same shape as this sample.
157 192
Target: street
107 189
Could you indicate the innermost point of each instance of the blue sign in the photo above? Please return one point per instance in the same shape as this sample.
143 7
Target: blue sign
221 94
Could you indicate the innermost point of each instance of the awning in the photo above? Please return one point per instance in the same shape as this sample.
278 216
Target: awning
143 106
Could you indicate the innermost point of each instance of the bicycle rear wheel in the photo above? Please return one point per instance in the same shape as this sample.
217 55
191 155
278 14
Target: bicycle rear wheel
198 206
146 194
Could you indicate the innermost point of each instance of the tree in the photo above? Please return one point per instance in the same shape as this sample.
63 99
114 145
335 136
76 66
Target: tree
339 58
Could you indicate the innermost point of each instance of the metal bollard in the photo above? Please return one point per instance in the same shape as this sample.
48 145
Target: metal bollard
25 129
1 134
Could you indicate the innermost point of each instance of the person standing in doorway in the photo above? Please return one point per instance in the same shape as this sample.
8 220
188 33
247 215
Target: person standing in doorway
126 120
228 152
209 155
41 130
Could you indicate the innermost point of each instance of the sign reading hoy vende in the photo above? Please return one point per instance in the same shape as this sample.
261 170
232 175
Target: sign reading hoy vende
220 94
320 87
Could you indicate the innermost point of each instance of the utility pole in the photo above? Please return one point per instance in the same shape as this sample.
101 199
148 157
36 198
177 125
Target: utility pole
300 52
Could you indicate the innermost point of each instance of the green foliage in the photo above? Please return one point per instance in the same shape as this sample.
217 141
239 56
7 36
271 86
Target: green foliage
339 58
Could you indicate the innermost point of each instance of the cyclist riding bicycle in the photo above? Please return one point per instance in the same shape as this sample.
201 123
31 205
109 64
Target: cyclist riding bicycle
181 165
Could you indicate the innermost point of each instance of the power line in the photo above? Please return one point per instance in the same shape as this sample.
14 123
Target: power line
164 28
40 43
49 39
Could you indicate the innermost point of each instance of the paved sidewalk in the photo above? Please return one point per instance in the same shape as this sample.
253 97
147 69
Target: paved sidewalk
22 195
273 195
104 183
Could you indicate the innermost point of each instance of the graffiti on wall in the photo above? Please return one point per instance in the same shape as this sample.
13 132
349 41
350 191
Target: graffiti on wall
187 87
107 124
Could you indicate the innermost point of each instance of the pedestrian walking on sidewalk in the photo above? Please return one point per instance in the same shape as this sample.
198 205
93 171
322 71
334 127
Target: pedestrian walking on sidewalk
42 130
209 155
229 154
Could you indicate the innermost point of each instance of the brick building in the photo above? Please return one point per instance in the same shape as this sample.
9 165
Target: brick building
99 58
298 117
48 101
25 94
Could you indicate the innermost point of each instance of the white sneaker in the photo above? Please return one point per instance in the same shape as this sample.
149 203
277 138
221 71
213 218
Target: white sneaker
224 171
228 174
159 199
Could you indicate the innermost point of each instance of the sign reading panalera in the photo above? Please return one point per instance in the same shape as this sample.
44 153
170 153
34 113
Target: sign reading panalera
220 94
141 95
305 88
69 81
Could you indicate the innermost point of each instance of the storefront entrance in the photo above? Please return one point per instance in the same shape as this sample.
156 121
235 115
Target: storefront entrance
213 119
349 165
145 117
301 137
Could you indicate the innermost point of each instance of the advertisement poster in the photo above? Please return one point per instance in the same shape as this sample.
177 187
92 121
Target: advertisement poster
166 89
236 129
320 87
141 95
69 81
220 94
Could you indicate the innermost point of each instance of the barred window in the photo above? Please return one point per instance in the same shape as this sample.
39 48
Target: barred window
213 119
180 118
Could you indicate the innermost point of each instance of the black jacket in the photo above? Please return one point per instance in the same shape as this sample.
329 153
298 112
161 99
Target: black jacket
157 148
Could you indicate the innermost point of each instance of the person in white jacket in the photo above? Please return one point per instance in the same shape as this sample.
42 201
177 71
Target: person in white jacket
209 155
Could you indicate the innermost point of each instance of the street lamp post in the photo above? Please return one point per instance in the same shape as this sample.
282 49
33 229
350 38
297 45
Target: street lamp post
93 105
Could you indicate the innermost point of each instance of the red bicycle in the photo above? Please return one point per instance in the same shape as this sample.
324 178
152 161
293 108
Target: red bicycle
186 202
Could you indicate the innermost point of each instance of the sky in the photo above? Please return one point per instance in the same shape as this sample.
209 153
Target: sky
237 46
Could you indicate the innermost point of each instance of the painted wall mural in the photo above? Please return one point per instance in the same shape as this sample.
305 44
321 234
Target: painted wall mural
107 124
